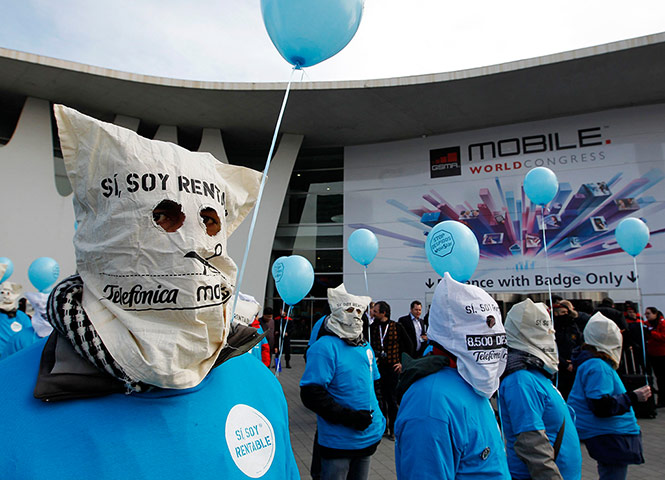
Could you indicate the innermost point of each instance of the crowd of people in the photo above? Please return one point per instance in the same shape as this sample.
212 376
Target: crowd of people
141 363
547 379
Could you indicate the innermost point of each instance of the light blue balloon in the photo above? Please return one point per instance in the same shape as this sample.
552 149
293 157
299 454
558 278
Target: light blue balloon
43 273
541 185
363 246
307 32
296 279
632 235
452 247
9 270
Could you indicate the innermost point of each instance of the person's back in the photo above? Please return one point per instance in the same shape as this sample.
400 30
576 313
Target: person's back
445 430
445 426
519 393
595 378
541 439
605 419
224 427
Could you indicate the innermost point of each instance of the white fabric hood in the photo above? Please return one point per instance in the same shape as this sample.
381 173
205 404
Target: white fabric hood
466 321
10 293
40 324
603 333
343 323
246 310
529 329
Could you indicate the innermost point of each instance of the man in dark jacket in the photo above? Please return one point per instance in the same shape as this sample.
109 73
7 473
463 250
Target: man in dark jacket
607 309
283 326
389 340
415 327
568 338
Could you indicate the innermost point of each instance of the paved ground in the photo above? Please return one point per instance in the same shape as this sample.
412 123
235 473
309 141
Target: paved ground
303 425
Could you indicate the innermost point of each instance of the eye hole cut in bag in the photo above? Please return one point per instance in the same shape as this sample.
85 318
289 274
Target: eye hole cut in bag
168 215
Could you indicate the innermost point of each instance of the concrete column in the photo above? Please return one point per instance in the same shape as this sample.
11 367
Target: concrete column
211 141
167 133
127 122
36 220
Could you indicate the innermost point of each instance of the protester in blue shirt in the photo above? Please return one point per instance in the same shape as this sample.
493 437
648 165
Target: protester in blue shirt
16 330
542 441
445 426
605 418
338 385
143 376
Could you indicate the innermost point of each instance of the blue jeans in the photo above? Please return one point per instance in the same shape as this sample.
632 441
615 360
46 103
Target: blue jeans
609 471
356 468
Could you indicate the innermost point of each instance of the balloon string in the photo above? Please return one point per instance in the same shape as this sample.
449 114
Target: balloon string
369 343
368 312
549 279
285 320
260 195
498 408
639 309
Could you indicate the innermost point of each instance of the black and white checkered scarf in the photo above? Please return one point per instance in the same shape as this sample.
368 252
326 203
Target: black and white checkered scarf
65 313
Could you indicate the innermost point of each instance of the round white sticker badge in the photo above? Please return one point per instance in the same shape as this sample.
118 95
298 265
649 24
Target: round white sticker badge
251 440
16 327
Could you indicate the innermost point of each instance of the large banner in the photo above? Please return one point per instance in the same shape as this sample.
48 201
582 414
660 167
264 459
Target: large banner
610 165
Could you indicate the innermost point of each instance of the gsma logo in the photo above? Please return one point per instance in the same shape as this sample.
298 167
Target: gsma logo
445 162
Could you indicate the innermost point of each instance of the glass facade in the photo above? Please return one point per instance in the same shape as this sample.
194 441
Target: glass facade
311 225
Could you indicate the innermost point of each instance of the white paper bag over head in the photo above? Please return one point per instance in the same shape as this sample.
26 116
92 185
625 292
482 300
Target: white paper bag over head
153 223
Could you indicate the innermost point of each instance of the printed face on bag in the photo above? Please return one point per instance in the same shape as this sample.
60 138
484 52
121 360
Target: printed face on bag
180 196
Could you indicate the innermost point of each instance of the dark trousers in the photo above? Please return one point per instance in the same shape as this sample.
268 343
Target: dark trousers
566 380
658 365
315 467
287 351
387 395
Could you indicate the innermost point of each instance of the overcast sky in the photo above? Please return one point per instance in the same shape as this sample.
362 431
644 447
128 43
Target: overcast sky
225 40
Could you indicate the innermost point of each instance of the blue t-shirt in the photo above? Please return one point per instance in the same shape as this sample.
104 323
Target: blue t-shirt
530 402
594 379
257 349
348 374
9 328
445 430
22 339
232 425
315 330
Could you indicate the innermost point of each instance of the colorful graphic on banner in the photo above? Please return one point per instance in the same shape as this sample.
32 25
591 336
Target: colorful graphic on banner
579 225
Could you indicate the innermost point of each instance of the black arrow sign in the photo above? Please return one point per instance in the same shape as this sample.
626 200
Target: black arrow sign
429 283
631 277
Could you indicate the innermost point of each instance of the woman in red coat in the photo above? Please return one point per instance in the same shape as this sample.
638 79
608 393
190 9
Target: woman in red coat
656 349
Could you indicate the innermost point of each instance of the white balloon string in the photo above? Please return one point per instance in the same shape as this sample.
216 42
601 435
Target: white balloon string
549 279
260 195
278 362
498 407
639 309
368 311
369 343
